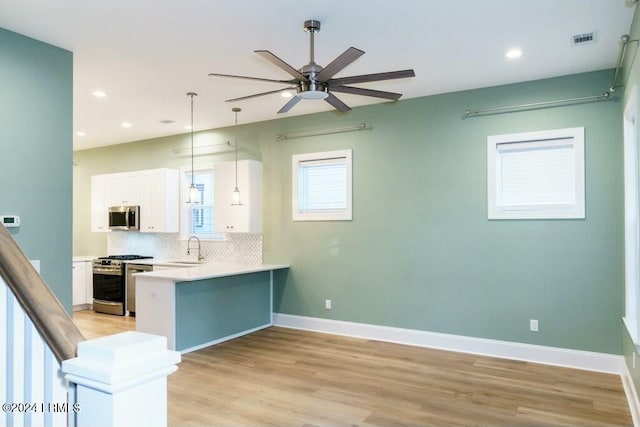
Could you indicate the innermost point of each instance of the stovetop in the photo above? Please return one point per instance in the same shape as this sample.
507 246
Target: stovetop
125 257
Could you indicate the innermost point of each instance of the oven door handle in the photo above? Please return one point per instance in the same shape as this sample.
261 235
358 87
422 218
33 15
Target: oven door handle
108 271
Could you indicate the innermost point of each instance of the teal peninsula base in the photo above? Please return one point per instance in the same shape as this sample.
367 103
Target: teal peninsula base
200 312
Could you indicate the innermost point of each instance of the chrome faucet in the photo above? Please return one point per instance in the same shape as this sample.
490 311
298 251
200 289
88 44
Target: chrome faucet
200 257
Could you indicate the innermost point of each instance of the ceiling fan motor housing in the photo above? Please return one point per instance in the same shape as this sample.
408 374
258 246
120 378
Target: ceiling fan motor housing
312 25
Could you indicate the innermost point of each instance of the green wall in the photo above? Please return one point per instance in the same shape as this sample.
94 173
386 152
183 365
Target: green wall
35 165
420 252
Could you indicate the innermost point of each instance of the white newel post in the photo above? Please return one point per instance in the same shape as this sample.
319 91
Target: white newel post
122 380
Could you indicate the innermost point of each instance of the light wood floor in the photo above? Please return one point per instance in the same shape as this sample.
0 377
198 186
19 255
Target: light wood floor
285 377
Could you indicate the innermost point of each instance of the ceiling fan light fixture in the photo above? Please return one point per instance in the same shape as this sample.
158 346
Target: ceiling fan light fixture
312 90
313 94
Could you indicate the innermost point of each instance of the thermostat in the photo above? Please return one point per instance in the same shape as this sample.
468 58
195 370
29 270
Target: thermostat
10 220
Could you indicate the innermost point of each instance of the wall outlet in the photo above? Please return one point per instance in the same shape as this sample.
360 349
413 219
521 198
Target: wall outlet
327 304
533 325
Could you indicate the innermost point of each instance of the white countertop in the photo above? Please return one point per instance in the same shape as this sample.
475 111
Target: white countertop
206 271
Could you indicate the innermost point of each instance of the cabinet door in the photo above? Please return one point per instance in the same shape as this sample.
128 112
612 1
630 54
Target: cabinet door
159 201
100 199
89 282
244 218
79 277
125 189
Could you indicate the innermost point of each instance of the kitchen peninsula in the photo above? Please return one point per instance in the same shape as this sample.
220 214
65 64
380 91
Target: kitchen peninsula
199 306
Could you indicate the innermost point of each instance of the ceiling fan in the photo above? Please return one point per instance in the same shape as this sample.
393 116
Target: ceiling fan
313 81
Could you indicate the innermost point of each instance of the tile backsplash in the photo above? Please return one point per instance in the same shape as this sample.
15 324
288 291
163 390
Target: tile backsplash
239 248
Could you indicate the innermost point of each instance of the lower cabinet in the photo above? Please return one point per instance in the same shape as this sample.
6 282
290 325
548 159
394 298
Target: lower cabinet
82 285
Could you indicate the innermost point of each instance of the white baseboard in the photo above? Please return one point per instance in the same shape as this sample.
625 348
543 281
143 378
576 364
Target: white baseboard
632 395
578 359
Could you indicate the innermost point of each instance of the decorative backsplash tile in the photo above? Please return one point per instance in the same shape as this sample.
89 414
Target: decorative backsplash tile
239 248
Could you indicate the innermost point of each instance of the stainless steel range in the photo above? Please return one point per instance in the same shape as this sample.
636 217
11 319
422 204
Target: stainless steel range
109 283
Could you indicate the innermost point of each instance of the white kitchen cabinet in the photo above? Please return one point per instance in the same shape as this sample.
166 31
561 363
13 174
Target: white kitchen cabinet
125 189
159 201
82 279
100 202
244 218
156 191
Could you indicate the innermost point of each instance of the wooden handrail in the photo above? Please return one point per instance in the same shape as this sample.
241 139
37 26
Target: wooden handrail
37 300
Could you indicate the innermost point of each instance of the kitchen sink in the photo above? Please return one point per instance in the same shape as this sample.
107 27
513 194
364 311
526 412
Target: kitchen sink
183 261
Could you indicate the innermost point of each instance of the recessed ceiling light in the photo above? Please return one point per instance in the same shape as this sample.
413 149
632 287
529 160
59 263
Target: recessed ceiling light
99 93
80 133
513 53
187 127
126 124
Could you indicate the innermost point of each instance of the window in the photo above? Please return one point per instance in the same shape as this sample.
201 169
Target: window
536 175
322 186
198 219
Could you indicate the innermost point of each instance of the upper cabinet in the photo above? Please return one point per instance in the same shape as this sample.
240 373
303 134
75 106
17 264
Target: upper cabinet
125 189
247 216
155 191
100 202
159 205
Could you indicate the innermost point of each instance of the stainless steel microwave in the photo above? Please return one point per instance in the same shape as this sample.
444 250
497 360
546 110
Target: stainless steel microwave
124 218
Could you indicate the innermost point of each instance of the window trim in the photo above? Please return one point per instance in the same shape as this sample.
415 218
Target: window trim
631 317
573 136
330 215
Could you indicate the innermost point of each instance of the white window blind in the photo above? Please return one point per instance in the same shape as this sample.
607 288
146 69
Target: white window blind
536 175
322 186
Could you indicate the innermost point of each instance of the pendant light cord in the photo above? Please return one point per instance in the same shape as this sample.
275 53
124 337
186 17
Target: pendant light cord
236 129
192 94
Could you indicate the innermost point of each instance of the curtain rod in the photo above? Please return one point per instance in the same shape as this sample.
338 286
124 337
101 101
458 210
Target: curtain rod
624 40
219 148
520 107
283 136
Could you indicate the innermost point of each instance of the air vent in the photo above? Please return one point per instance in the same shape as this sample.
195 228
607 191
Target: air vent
584 38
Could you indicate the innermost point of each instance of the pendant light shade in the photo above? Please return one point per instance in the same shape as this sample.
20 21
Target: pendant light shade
194 193
235 195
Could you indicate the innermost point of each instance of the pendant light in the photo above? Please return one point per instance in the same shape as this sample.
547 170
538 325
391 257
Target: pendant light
235 196
194 194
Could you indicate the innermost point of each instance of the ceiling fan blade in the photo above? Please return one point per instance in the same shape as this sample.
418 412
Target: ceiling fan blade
252 78
293 101
281 64
337 104
346 58
366 92
372 77
242 98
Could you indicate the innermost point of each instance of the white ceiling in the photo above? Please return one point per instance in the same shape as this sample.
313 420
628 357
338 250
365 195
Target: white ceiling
147 54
